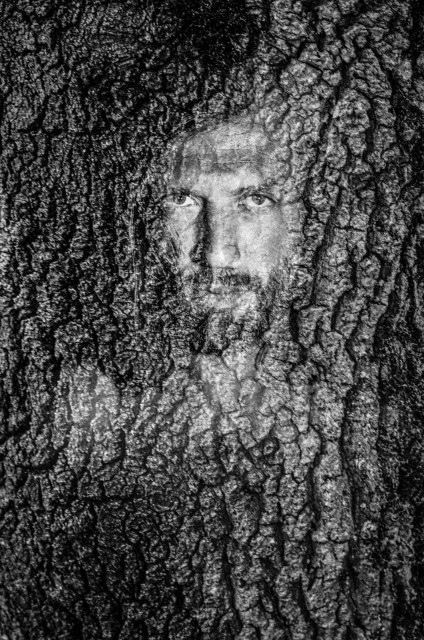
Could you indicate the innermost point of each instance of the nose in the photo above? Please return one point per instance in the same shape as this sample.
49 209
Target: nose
223 250
224 255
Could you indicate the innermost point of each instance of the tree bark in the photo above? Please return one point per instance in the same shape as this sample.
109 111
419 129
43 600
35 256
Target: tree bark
130 508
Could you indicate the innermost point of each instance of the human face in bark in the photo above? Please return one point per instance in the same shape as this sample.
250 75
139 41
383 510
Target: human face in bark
224 212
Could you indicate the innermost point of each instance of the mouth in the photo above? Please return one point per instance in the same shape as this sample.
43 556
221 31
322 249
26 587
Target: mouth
225 294
237 299
222 290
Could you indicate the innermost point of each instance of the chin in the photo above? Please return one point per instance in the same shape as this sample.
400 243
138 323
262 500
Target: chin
226 313
239 320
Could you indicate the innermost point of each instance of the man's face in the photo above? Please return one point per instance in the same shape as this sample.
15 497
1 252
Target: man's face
225 217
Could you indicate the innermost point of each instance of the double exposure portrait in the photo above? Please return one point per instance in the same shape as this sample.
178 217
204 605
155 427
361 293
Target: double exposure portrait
211 378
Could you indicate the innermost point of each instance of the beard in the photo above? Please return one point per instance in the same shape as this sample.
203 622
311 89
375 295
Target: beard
226 306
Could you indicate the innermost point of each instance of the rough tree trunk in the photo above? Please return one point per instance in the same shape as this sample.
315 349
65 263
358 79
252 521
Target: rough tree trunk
124 512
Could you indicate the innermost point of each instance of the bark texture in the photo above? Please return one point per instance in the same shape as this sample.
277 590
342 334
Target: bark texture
134 504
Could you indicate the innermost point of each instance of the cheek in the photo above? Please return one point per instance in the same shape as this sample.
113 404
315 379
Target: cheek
261 239
182 229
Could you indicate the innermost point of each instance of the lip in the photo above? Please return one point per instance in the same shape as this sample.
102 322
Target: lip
223 297
224 291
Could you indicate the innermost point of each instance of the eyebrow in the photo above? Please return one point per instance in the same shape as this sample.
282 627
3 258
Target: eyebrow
268 184
228 166
181 187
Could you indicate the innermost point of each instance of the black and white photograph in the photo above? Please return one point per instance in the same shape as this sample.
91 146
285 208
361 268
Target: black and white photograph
212 320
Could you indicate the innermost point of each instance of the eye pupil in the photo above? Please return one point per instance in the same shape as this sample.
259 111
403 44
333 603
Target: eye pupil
179 198
258 198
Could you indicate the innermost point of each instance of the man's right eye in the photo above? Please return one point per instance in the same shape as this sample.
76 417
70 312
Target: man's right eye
183 200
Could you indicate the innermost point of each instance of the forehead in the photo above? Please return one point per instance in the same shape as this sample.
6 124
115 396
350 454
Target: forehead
225 149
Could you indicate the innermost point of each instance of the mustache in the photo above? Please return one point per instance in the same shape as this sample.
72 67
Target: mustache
221 276
230 278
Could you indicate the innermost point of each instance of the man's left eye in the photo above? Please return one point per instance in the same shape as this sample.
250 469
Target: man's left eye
258 200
